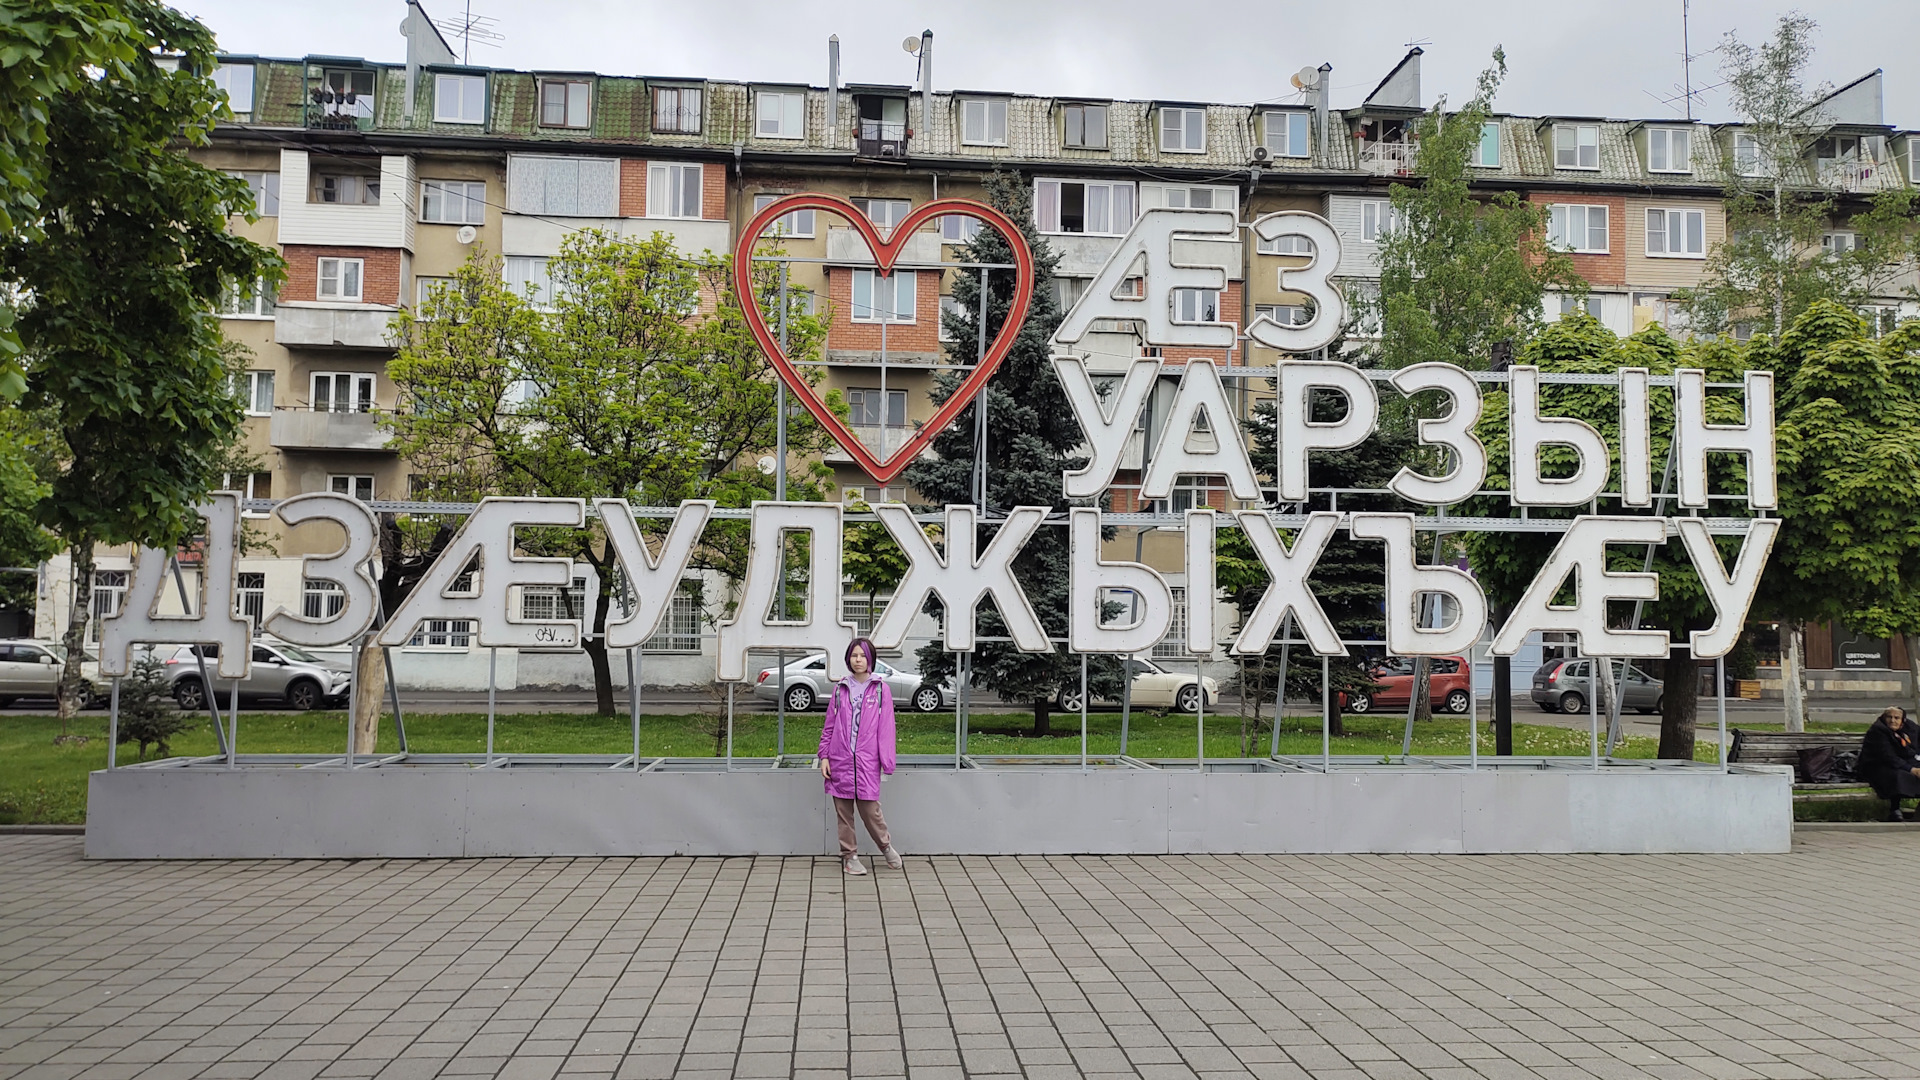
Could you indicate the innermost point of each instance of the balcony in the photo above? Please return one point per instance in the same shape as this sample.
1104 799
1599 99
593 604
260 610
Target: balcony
1856 174
847 247
305 429
339 327
881 139
1388 158
881 441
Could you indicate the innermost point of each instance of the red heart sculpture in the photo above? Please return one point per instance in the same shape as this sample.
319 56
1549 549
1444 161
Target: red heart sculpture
884 255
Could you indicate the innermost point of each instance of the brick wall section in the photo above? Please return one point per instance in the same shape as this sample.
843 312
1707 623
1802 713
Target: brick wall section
633 189
1605 270
1233 309
379 277
922 335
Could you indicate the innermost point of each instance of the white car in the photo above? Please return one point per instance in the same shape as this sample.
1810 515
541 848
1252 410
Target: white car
1154 687
30 668
805 684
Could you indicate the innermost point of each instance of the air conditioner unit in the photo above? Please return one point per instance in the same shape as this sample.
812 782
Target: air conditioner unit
1261 155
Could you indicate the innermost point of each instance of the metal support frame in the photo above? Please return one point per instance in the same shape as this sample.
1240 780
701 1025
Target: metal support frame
1593 706
1200 716
206 684
113 720
493 666
730 687
1326 714
1280 694
393 695
633 700
233 714
1720 704
1083 712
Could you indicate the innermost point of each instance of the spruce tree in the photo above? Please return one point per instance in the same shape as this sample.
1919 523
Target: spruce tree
1031 440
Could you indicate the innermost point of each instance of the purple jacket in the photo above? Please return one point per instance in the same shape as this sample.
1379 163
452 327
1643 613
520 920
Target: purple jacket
855 770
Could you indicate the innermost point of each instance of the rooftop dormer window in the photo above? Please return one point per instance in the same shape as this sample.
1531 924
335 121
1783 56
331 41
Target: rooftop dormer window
1085 126
1182 130
1576 146
566 103
1669 150
983 122
676 110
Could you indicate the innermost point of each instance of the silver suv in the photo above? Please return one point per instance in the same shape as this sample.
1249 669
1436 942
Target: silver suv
30 668
294 676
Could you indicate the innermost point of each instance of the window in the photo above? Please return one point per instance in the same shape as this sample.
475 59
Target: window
1287 133
864 609
983 122
1748 160
563 186
680 630
266 191
959 228
1181 197
346 98
548 602
780 114
453 202
426 287
863 408
248 301
1576 146
566 103
1175 643
1589 304
1086 126
527 275
109 596
673 191
1183 130
950 308
360 487
1073 206
1376 220
256 389
321 599
250 597
443 634
460 99
1067 291
1196 305
342 391
884 213
1487 154
1669 150
883 299
1677 233
1839 243
1286 314
1286 245
797 223
1578 228
340 279
1834 149
237 81
355 189
676 110
1188 493
254 485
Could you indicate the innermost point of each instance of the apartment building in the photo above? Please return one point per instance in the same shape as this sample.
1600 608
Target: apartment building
376 179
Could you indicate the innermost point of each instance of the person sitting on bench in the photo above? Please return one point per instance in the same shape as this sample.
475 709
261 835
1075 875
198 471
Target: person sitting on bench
1887 761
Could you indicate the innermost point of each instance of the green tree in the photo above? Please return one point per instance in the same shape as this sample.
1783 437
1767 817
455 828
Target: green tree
1461 270
127 368
1031 439
147 713
637 378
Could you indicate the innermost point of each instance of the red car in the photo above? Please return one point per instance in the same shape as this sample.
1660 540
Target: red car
1447 687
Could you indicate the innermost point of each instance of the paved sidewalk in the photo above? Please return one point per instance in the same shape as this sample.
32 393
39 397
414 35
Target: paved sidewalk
1798 965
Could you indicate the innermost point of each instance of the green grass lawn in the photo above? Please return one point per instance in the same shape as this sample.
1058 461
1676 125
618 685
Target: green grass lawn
44 782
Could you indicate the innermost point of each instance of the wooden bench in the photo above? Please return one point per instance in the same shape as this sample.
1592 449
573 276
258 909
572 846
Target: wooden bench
1783 748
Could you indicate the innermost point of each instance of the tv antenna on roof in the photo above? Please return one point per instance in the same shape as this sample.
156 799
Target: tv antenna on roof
470 28
1685 93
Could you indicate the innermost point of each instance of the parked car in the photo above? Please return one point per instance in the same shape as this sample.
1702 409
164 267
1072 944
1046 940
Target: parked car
1561 686
806 684
30 668
1447 686
1154 687
290 674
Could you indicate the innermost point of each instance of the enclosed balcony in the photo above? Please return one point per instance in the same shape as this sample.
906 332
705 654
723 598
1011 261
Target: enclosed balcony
306 429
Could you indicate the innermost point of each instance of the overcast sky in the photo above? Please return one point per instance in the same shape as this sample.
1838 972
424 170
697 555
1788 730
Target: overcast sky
1608 59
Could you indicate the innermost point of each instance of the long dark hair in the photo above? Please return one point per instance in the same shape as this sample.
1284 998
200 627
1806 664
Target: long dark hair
864 646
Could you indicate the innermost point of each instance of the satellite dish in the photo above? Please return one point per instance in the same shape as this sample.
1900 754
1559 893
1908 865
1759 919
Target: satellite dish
766 464
912 45
1307 78
467 234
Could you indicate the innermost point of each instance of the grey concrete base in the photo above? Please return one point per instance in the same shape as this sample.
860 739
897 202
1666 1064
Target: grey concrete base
459 812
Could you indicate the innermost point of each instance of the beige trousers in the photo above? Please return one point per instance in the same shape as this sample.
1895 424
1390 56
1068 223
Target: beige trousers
869 813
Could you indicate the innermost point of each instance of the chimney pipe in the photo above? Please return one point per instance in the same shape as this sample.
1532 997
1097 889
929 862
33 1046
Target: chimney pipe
833 89
1322 107
926 81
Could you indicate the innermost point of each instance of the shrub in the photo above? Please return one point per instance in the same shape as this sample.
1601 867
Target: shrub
147 712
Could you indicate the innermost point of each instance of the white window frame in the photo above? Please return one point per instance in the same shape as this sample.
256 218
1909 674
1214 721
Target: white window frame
1579 147
535 285
254 303
1660 234
250 596
237 81
1749 157
423 289
794 224
361 387
894 211
1113 188
351 484
469 195
948 305
250 488
896 406
266 191
1294 137
673 101
1190 305
983 121
443 635
341 273
1182 196
540 603
789 114
1285 314
680 630
1564 214
867 280
576 103
321 599
358 185
1087 109
1487 128
1290 245
465 109
1590 304
667 191
259 392
959 228
1664 142
1377 219
1186 126
1832 242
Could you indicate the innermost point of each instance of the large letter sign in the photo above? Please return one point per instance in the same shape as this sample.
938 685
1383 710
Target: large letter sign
1149 246
960 579
213 621
346 568
487 539
655 581
753 626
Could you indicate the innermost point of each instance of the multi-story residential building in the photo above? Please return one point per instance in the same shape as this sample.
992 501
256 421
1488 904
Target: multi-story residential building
375 180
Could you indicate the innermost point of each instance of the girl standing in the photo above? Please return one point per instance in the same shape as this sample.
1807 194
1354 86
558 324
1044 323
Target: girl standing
856 747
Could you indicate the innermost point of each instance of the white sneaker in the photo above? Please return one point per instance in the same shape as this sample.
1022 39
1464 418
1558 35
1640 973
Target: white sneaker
852 868
893 857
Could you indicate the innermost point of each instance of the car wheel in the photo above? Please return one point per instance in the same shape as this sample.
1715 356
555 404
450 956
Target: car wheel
304 695
1067 700
190 695
1571 702
1658 704
927 699
1359 702
799 698
1457 701
1188 699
